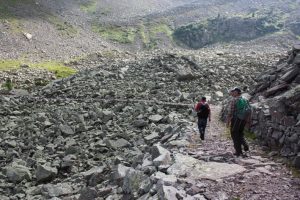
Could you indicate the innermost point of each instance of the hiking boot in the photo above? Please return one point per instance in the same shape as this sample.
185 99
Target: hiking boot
202 136
238 154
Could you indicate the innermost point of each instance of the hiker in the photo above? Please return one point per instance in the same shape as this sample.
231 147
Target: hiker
203 112
238 116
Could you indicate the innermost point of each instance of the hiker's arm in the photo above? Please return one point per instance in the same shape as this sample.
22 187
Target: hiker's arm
197 107
230 112
209 113
248 121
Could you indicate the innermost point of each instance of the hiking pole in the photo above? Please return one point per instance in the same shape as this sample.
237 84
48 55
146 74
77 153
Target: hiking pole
210 135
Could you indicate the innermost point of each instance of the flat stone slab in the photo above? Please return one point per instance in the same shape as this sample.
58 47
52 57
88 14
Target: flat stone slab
197 169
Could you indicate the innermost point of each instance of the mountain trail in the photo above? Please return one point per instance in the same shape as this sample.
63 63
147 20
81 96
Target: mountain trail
218 174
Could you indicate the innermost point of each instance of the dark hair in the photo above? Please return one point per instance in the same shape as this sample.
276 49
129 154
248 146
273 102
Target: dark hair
203 98
237 90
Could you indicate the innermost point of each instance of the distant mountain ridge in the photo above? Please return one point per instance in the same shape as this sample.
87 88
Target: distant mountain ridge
64 29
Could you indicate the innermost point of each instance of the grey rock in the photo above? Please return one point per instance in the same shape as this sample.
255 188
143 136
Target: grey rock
219 94
152 136
68 161
66 130
60 189
45 173
155 118
18 173
120 143
106 115
88 194
157 150
133 180
164 178
164 159
140 123
120 172
94 176
4 197
297 59
145 186
168 192
195 169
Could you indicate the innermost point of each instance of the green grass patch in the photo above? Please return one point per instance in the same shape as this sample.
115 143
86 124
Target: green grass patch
150 33
8 85
89 6
249 135
160 28
143 34
295 172
59 69
118 34
9 64
64 27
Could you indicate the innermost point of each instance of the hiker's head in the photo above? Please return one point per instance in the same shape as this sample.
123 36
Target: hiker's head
236 92
203 99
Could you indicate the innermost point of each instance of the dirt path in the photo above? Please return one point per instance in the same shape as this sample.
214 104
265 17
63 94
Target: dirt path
263 177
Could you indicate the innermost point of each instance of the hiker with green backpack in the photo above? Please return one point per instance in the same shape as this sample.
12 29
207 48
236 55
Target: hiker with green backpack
239 115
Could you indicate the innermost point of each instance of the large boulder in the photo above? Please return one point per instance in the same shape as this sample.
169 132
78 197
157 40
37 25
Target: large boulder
45 173
17 173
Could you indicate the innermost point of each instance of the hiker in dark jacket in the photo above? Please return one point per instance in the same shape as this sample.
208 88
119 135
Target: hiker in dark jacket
203 112
237 123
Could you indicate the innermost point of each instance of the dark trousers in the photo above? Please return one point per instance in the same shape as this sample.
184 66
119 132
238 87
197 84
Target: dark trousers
237 135
202 123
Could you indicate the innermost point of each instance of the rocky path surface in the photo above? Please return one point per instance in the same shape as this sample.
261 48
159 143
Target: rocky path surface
255 177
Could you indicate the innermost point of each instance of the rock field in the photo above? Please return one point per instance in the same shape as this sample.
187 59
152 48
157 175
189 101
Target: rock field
125 130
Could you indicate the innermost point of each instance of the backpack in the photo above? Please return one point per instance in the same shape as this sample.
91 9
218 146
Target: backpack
243 108
203 111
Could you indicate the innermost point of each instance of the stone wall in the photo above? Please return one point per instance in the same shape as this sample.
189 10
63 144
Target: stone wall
276 102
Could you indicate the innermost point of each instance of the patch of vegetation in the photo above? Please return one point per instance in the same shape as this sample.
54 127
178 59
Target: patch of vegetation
295 172
142 33
59 69
150 33
89 6
7 15
40 82
9 64
115 33
160 28
8 85
64 27
105 11
249 135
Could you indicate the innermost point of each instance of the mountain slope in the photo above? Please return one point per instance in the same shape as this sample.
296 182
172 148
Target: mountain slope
64 29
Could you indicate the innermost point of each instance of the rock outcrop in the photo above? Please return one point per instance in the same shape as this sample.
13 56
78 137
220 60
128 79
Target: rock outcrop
223 30
276 101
